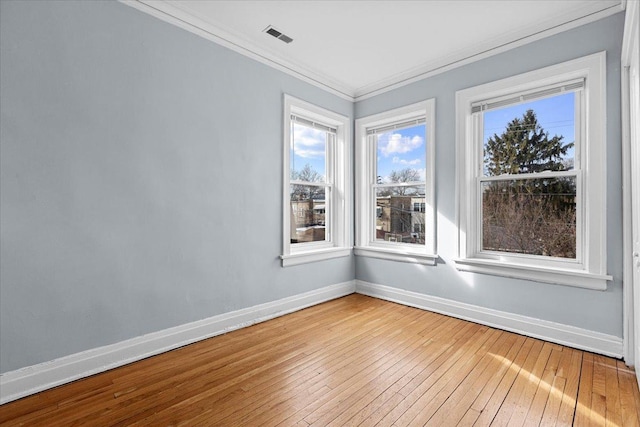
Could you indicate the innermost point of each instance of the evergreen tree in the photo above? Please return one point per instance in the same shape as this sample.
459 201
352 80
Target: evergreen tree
524 147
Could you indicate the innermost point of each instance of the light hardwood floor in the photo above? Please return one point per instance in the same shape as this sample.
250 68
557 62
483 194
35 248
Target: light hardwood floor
352 361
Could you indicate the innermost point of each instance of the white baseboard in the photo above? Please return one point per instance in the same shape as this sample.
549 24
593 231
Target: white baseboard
571 336
36 378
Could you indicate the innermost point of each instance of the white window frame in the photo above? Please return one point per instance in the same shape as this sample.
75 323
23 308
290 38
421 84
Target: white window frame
366 243
338 189
589 269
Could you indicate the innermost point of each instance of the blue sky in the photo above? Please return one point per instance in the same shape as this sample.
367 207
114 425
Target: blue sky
401 149
396 150
406 148
555 115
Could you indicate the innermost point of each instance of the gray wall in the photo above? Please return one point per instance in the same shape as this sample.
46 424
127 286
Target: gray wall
140 179
594 310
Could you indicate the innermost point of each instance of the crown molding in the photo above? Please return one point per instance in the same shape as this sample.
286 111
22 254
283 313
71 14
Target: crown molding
499 45
173 13
177 14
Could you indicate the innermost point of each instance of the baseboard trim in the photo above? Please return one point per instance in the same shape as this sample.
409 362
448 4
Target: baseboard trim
33 379
571 336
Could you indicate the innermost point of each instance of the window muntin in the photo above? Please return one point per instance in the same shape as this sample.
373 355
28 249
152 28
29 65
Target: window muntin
522 213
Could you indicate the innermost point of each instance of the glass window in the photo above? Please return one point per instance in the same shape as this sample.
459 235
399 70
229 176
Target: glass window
316 205
395 152
532 175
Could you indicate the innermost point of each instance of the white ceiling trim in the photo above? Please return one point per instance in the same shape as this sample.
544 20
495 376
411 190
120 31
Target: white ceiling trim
171 12
508 42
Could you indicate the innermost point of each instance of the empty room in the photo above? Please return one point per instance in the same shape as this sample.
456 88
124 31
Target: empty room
319 213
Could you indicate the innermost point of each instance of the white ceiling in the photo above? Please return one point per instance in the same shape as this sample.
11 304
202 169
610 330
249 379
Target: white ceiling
360 48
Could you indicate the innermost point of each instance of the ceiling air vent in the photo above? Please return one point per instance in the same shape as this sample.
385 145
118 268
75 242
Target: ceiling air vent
277 34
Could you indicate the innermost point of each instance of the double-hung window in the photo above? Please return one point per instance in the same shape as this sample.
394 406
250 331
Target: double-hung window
395 177
531 175
316 209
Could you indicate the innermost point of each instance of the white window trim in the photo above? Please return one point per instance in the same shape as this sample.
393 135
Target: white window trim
339 160
590 271
366 245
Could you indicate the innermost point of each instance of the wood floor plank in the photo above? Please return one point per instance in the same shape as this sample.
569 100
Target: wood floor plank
353 361
583 407
571 373
598 410
612 398
628 408
528 385
636 394
598 414
554 401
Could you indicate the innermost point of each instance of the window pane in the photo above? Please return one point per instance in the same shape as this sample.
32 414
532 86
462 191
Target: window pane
396 217
531 137
530 216
308 153
401 155
308 213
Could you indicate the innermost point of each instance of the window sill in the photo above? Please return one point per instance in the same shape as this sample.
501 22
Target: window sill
314 256
578 278
396 255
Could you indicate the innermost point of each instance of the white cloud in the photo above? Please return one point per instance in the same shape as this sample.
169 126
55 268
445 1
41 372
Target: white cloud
404 162
309 154
396 143
308 142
